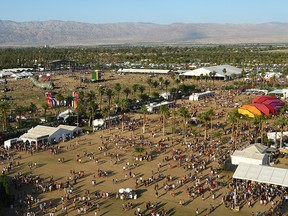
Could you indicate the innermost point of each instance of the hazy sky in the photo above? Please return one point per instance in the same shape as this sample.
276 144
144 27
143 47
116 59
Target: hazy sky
154 11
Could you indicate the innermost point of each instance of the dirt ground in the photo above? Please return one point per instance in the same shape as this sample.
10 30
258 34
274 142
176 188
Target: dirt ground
47 165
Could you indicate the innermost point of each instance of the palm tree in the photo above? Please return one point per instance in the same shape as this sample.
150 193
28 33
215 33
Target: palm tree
182 78
233 119
59 98
127 91
123 105
145 112
135 88
141 88
45 106
213 76
4 107
224 72
117 88
211 114
174 114
101 91
109 94
281 122
20 110
184 113
69 100
204 117
259 121
139 150
164 112
92 107
150 84
166 84
105 113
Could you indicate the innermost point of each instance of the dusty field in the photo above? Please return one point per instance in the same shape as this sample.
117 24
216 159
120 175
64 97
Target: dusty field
47 164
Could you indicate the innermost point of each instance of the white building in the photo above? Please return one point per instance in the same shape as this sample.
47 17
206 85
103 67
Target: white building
42 133
201 95
253 154
219 72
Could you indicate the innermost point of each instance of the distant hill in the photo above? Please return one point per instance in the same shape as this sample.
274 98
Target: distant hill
64 33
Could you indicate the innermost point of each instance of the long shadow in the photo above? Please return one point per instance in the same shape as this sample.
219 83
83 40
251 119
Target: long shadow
137 204
139 192
171 212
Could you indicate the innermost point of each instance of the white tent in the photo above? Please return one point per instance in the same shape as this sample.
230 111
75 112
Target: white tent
64 115
42 133
230 71
262 174
273 136
8 143
253 154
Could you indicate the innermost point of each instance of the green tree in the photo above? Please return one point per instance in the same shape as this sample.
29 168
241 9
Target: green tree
4 107
20 111
117 88
101 91
135 88
205 118
165 113
211 114
127 91
233 118
123 105
45 107
144 111
109 94
166 84
281 122
141 89
184 113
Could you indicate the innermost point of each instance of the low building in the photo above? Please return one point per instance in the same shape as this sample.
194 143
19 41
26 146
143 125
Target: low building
41 134
253 154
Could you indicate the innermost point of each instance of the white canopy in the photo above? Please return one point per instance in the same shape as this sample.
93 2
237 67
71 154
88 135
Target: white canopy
262 174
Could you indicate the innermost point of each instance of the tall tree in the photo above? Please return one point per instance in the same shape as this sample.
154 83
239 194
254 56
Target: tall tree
109 94
127 91
233 118
144 111
123 105
165 113
20 111
281 122
4 107
205 118
211 114
184 113
135 88
117 88
101 91
166 84
45 106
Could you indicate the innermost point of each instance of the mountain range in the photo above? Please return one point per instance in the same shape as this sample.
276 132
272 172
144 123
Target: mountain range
67 33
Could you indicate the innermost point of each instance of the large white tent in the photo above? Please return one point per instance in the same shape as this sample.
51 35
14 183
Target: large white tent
42 133
262 174
253 154
219 72
143 71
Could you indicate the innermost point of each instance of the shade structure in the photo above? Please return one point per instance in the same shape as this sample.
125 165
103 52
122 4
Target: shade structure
246 112
262 174
263 108
271 108
252 109
261 99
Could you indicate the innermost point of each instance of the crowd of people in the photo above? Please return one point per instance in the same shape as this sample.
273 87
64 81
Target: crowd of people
185 164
